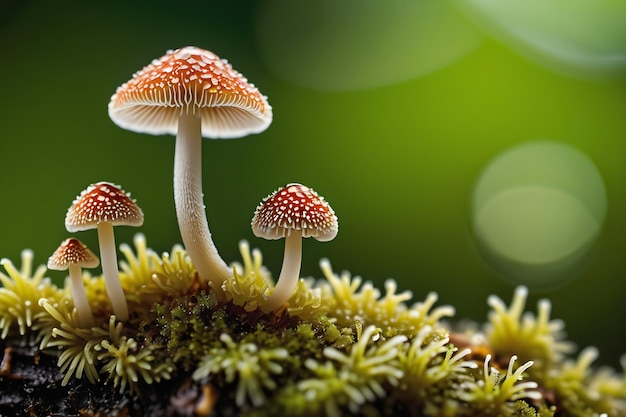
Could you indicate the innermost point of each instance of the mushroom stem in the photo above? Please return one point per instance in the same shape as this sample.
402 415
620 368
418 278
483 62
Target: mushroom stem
85 317
289 272
108 260
190 209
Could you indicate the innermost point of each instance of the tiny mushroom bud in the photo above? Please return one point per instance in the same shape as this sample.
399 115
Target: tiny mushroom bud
102 206
191 93
292 212
72 254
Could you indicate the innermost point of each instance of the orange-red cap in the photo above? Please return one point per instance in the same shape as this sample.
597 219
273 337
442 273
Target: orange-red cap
295 207
72 252
195 81
102 202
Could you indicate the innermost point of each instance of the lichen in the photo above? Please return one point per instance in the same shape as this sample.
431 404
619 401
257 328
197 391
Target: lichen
340 346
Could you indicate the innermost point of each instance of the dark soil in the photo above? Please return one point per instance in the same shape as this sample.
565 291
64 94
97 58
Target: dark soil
30 385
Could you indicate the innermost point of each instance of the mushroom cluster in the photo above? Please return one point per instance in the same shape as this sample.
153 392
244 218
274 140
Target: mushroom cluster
191 93
100 206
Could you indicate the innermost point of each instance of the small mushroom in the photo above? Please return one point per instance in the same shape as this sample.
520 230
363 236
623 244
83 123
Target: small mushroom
72 254
191 93
102 206
292 212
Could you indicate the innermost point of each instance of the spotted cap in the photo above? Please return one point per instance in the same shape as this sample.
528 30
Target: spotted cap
190 80
72 252
295 207
102 202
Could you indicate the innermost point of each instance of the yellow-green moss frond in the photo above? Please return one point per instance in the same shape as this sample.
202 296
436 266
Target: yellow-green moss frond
100 350
432 366
307 302
578 387
76 344
352 300
608 383
328 392
145 273
250 282
140 262
252 263
20 293
252 367
125 361
95 288
349 379
371 360
523 409
512 331
175 274
494 394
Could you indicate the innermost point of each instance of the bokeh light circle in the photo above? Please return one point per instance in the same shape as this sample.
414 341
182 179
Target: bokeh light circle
537 211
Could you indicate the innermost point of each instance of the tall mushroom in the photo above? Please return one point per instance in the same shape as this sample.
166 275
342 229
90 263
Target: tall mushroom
292 212
102 206
72 254
191 93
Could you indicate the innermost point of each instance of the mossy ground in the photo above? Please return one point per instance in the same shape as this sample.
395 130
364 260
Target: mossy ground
340 346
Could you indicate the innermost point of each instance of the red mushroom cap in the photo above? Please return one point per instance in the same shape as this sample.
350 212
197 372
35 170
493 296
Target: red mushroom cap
190 80
102 202
72 252
295 207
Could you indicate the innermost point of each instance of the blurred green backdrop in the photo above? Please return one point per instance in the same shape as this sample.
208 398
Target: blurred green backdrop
391 110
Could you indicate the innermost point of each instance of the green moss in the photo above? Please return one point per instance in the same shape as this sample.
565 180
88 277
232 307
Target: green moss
340 347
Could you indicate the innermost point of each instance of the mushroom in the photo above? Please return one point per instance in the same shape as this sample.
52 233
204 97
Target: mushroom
72 254
102 206
292 212
191 93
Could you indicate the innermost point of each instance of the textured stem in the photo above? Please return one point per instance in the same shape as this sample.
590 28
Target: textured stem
83 310
289 272
190 210
108 260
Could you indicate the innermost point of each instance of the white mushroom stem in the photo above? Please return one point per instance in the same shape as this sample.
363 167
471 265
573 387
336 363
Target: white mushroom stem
289 272
85 317
108 260
190 209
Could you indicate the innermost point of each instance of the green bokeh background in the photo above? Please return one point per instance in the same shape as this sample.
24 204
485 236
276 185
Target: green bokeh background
398 162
